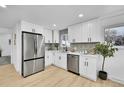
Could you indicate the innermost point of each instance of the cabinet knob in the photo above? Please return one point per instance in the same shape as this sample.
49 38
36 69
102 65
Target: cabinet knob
87 64
59 57
73 40
33 30
90 39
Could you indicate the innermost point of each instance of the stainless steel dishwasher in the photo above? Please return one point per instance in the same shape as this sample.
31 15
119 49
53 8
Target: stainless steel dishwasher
73 63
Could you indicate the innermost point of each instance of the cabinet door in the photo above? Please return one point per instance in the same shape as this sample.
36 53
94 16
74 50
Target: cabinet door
82 66
39 29
64 60
93 31
75 33
91 68
78 32
48 36
56 36
48 58
56 59
85 32
59 62
26 26
71 37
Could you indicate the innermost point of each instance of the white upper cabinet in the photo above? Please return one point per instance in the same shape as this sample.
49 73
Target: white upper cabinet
48 35
26 26
75 33
86 32
29 27
95 31
55 36
39 29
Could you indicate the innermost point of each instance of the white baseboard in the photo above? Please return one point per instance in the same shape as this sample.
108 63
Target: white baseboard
116 79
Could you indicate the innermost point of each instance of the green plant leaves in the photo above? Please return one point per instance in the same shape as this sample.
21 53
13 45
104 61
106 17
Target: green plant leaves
106 50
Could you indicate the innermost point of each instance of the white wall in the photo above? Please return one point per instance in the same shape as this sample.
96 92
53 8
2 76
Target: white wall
4 44
115 65
5 31
5 35
15 48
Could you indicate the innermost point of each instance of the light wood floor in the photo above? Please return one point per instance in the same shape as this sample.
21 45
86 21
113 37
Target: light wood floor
51 77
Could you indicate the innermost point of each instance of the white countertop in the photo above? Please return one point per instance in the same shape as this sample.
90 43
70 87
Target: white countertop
75 53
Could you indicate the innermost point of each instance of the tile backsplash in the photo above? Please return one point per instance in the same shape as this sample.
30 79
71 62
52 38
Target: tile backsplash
79 46
83 46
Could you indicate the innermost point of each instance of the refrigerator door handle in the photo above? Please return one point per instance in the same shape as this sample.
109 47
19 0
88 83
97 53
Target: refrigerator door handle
35 40
35 46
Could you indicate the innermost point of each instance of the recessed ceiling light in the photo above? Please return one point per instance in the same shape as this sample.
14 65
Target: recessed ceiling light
54 25
80 15
4 6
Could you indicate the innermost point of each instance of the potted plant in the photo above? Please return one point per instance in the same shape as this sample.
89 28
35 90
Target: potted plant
106 50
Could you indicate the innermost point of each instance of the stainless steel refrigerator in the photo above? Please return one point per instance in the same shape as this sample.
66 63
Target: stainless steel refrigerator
33 52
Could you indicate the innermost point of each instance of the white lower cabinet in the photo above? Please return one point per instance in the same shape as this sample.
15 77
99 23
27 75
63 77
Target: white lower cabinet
57 58
88 67
60 60
63 61
48 58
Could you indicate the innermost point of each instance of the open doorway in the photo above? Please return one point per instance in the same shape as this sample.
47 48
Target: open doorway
5 48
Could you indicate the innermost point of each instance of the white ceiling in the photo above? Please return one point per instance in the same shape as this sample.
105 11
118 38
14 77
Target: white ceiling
46 16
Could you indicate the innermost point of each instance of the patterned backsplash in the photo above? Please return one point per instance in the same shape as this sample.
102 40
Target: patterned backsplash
83 46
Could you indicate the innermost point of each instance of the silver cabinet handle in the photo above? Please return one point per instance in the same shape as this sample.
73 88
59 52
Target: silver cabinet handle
35 46
33 30
47 56
73 40
59 57
90 39
87 64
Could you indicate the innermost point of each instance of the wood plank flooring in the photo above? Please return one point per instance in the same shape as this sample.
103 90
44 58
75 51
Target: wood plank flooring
51 77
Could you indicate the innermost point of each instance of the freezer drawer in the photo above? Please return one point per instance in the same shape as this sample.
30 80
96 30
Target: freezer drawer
39 65
28 68
73 63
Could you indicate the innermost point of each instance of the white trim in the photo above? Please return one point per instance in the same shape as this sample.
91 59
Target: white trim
114 14
116 79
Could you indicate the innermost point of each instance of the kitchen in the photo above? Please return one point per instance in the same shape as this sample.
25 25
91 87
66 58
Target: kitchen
68 46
